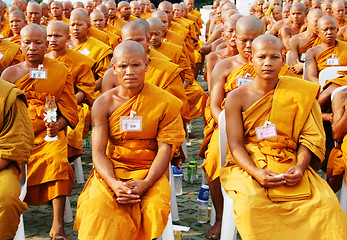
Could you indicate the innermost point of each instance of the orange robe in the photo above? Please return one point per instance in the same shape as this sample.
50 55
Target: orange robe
210 145
80 68
49 173
6 30
340 51
16 144
132 154
131 18
293 108
166 75
15 39
117 22
98 51
109 28
11 53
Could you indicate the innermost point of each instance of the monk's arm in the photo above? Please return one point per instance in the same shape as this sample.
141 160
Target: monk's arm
339 121
102 164
211 60
3 163
217 89
274 29
80 96
234 129
293 51
110 81
156 171
311 67
285 36
341 33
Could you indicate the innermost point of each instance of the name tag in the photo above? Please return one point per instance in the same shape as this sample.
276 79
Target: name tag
85 51
302 58
243 80
38 73
266 131
333 61
131 124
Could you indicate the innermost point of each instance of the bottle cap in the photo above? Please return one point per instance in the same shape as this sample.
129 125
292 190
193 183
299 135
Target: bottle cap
176 170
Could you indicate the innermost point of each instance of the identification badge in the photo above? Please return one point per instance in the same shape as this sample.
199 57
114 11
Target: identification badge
84 51
38 73
243 80
302 57
333 61
266 131
131 124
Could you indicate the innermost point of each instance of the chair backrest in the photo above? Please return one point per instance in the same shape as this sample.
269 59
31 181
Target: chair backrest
330 73
222 138
23 182
339 89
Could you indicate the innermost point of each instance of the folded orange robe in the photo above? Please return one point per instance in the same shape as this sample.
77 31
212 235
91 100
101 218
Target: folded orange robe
132 154
166 75
11 53
311 211
15 39
113 37
98 51
80 68
16 144
340 51
117 22
210 145
49 173
6 30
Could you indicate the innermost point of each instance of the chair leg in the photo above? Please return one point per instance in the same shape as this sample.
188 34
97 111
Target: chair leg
20 234
168 233
173 201
343 198
228 230
79 170
68 211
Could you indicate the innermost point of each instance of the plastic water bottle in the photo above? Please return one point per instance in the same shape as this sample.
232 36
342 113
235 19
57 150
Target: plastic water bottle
177 173
203 204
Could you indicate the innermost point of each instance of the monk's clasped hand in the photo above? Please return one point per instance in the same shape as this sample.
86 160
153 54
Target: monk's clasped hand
293 176
268 178
125 194
52 129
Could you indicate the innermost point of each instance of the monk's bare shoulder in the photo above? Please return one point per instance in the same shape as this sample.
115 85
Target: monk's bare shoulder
314 51
107 103
15 72
225 66
211 60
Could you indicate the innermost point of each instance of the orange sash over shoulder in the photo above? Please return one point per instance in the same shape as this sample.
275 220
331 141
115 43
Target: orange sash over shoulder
11 53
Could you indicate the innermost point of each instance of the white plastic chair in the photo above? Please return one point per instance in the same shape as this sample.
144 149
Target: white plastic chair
228 230
79 170
20 234
343 196
330 73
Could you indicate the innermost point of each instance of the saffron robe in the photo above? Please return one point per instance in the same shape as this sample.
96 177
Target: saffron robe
15 39
16 144
132 154
80 68
98 34
340 51
49 173
98 51
117 22
293 108
11 53
5 30
210 145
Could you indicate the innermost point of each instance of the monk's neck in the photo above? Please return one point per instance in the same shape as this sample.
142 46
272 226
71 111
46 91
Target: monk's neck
33 64
231 51
264 86
59 18
241 59
78 41
310 34
297 25
57 54
126 93
330 44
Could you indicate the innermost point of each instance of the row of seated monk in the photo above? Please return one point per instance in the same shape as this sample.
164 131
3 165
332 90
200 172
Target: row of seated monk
72 58
268 166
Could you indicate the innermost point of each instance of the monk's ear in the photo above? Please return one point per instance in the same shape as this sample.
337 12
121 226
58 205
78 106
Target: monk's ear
250 59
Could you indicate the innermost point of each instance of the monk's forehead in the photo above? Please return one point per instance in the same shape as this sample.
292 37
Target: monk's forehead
230 23
96 14
33 33
79 16
132 32
298 7
58 26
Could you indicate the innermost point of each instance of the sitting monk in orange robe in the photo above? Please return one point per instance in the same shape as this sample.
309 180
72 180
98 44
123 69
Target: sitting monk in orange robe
50 176
128 187
89 46
329 53
17 22
275 132
16 144
80 68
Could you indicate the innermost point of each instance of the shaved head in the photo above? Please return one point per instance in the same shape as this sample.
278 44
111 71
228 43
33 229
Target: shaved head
17 13
324 20
154 22
58 25
268 40
159 13
132 26
298 7
81 13
145 24
40 31
249 24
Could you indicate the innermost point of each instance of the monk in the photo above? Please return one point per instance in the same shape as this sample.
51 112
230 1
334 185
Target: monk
300 43
191 11
277 26
57 12
213 58
161 72
45 11
113 19
5 29
247 29
330 52
326 8
258 7
135 9
17 22
80 67
34 13
337 161
297 14
89 7
143 14
67 9
338 12
269 176
89 46
11 54
125 11
50 176
128 185
98 21
17 141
